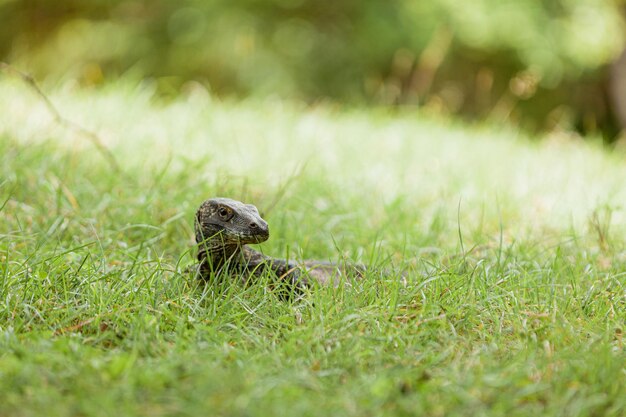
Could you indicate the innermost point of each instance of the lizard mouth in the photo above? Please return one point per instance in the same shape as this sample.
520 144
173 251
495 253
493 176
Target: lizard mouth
255 238
241 237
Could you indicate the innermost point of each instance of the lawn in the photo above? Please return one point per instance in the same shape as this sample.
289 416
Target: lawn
513 249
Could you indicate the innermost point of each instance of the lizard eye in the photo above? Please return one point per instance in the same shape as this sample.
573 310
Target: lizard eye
225 213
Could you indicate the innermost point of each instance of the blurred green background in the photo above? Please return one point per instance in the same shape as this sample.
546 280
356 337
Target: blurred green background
539 64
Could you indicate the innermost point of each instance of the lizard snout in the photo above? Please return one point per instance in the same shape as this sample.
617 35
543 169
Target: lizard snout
259 230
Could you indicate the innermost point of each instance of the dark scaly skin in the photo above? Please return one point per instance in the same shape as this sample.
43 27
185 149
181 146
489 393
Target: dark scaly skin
224 227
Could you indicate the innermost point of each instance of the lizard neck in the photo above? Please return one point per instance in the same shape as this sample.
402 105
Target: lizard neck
220 257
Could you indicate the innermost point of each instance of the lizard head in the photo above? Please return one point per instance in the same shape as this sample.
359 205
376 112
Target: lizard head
226 222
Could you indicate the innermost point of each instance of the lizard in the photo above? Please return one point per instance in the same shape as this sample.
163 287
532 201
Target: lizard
223 230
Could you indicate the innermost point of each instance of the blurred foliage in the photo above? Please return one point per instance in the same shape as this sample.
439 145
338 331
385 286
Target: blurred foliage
539 62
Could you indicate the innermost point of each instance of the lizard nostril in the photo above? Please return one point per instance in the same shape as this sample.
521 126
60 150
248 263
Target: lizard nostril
254 226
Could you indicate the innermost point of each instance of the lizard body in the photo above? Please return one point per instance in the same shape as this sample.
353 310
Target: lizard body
223 229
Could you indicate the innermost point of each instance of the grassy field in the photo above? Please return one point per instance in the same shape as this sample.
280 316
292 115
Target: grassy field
514 246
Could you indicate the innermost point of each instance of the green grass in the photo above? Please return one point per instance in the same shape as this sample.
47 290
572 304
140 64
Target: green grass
515 301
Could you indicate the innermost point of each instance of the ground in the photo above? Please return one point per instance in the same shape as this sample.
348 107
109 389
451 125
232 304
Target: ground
513 248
